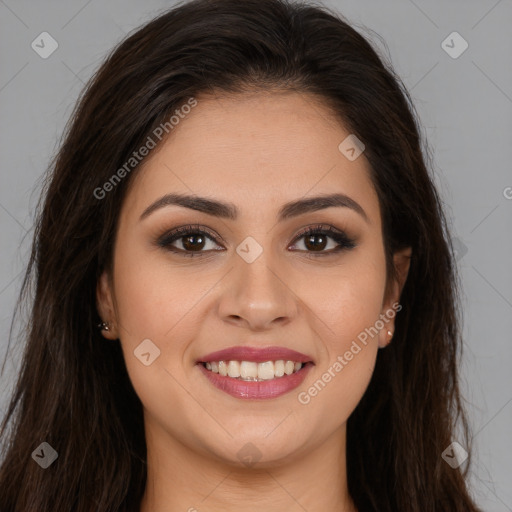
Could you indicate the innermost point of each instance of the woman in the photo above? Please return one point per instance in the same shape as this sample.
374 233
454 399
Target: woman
245 290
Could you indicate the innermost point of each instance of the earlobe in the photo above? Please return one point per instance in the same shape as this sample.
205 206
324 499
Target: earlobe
105 306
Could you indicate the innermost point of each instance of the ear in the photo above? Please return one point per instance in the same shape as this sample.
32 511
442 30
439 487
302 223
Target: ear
105 305
390 306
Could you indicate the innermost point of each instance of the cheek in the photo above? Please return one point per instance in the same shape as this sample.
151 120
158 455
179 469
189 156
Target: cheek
348 314
347 305
338 387
156 302
154 295
346 299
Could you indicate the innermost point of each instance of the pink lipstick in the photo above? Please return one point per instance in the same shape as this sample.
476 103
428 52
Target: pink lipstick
255 373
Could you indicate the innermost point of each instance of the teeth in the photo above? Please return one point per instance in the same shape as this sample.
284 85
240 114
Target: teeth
279 368
251 371
289 367
223 368
233 369
248 370
266 370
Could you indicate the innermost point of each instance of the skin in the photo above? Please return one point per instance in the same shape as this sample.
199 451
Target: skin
258 151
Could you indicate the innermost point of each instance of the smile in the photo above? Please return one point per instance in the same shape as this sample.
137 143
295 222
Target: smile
255 388
255 372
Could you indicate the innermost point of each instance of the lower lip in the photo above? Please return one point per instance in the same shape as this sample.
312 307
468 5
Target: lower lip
257 389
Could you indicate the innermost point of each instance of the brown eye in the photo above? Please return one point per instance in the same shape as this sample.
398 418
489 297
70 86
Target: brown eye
196 241
316 240
192 240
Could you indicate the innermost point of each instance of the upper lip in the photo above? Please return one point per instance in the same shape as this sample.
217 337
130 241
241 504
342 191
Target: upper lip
256 354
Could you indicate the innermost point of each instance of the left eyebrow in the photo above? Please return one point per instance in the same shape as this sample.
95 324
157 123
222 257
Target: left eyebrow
230 211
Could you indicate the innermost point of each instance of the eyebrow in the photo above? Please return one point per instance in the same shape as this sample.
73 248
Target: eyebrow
230 211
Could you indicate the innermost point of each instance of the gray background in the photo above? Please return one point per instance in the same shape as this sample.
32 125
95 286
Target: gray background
465 105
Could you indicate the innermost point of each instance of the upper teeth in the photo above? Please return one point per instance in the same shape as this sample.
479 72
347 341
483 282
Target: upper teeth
249 370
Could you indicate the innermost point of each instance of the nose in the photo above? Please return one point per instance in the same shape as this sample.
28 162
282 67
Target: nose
257 296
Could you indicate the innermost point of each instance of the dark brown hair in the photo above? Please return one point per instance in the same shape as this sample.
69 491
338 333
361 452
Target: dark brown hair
73 390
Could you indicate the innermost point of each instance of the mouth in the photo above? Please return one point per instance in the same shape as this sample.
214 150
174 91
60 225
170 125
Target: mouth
255 373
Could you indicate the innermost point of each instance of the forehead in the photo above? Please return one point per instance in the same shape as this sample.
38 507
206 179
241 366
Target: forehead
257 150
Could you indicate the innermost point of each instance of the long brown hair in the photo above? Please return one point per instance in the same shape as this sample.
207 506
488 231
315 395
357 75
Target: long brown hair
73 390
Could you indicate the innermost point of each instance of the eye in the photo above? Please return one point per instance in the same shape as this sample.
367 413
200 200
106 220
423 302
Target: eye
316 240
192 239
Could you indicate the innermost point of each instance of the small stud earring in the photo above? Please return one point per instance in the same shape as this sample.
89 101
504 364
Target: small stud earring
104 326
390 334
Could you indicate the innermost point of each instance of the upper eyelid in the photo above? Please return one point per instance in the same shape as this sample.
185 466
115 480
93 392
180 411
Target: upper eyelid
181 231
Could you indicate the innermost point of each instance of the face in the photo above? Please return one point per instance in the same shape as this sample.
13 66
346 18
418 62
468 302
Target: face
246 279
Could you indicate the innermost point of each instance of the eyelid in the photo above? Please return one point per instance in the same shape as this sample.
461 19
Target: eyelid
320 228
344 241
174 234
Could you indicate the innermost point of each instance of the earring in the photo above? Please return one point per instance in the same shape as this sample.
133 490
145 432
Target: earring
390 335
104 326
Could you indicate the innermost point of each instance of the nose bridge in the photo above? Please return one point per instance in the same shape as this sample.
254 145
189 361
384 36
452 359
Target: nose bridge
257 293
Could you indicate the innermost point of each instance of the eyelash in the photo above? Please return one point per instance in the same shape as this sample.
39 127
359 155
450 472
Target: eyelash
344 242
